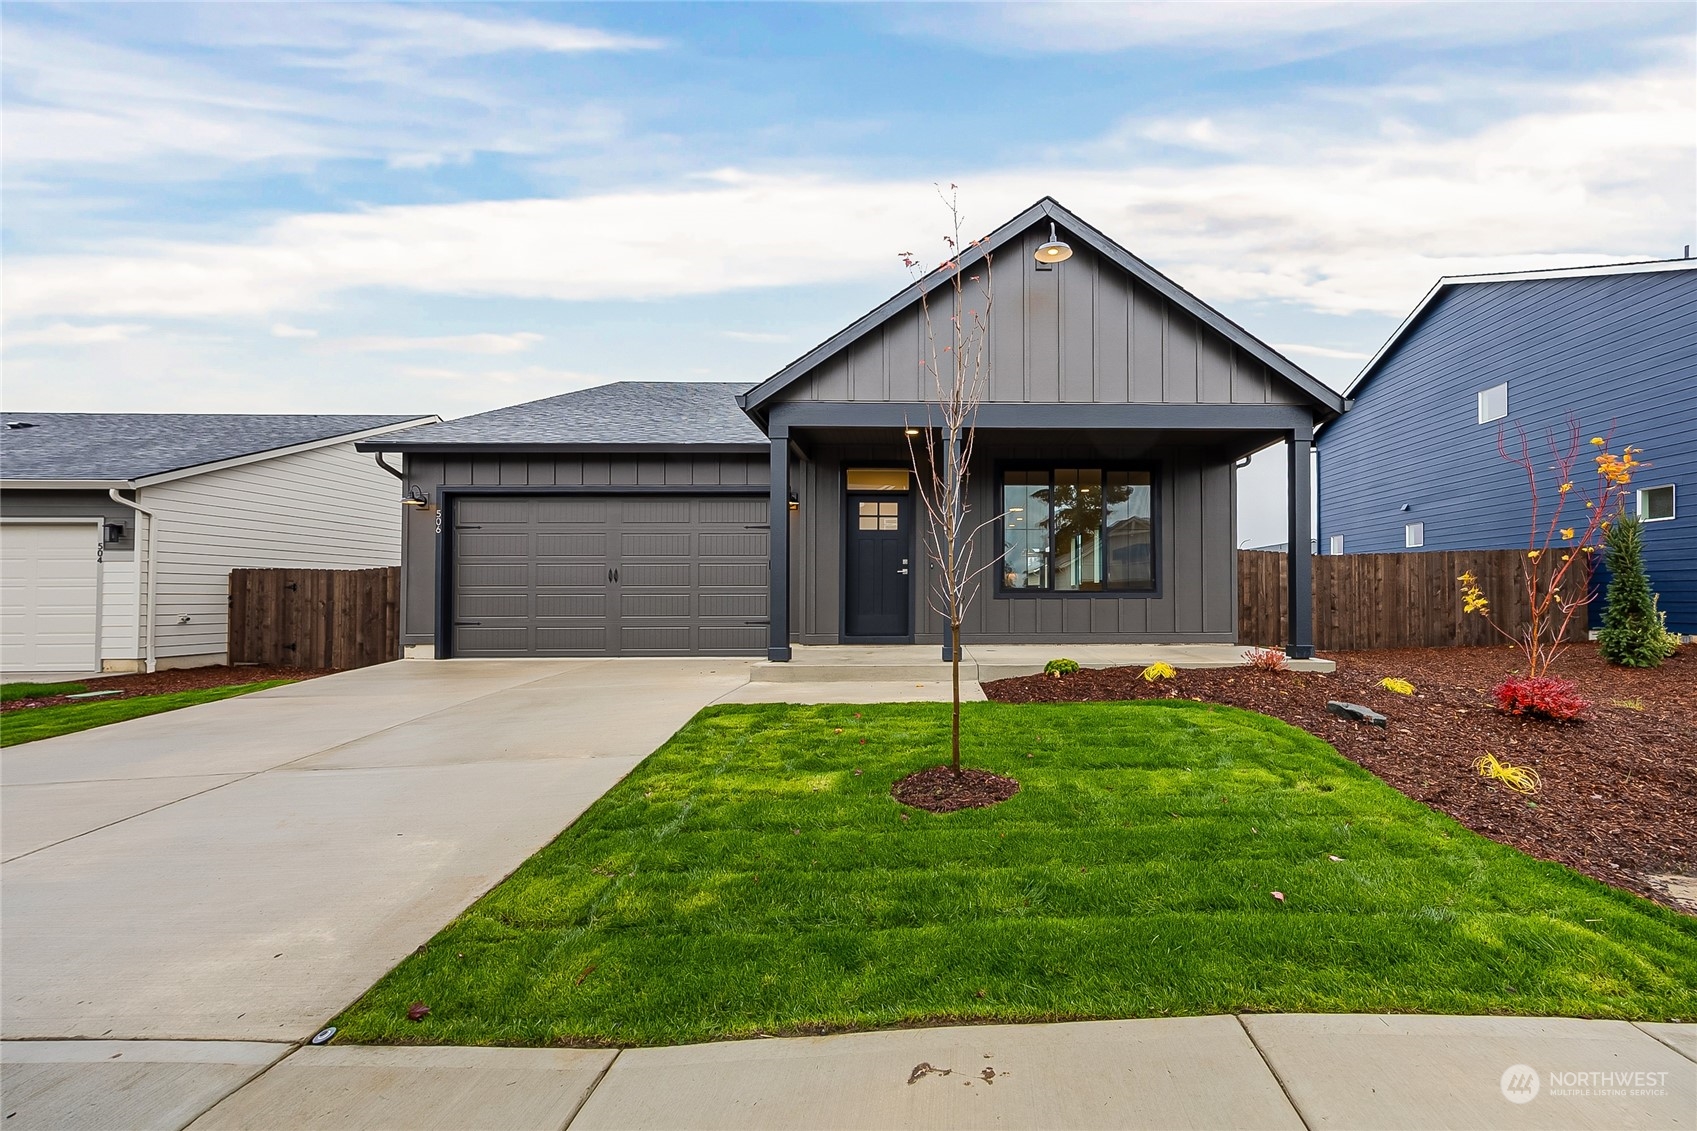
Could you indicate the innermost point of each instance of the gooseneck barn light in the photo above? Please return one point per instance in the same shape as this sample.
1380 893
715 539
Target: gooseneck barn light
1055 251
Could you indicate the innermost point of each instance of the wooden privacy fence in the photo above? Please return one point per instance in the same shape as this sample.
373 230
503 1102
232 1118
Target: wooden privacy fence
315 618
1408 600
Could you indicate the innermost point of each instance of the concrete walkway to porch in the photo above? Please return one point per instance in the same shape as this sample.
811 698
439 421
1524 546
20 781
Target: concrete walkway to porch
907 663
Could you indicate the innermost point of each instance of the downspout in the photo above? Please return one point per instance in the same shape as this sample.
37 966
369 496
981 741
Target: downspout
152 571
378 456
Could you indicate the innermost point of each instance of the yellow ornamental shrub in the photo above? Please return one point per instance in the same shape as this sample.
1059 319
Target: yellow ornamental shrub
1400 686
1158 670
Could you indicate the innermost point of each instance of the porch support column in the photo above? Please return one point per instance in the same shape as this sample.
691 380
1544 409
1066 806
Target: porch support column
778 600
1299 561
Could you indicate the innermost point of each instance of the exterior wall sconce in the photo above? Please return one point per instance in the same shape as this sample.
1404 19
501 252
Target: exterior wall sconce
1055 251
795 501
415 497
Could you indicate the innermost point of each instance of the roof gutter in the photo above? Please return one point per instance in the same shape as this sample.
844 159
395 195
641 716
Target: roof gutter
152 574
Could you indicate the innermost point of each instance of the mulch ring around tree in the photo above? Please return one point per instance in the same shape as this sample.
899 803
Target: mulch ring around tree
1618 799
165 682
938 790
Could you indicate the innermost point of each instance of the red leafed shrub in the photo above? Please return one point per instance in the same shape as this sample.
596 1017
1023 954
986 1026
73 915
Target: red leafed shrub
1544 697
1266 659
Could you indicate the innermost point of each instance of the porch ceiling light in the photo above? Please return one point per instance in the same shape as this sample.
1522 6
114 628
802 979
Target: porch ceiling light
1055 251
911 431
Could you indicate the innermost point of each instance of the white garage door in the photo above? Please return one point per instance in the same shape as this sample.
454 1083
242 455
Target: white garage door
49 594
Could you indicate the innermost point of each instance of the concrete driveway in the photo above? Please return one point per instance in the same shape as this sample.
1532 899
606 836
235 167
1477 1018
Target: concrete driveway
242 870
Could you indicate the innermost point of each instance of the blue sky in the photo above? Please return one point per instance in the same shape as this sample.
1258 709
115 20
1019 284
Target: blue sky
445 208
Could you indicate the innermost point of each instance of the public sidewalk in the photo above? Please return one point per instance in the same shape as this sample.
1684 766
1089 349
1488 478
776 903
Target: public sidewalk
1291 1071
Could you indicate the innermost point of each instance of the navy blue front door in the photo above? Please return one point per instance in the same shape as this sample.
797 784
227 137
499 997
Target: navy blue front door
879 583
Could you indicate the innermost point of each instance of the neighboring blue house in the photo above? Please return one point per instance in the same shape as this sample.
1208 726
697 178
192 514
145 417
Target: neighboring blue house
1413 464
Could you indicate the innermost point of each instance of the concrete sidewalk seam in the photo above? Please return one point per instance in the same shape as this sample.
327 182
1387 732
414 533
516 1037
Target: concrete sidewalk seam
294 1047
237 778
572 1118
1280 1080
1659 1039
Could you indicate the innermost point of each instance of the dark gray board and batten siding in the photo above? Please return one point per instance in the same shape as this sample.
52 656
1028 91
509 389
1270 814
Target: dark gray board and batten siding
1083 333
1618 352
579 474
1196 573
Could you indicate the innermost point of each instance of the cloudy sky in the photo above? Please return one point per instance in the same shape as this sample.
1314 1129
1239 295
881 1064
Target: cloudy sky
272 207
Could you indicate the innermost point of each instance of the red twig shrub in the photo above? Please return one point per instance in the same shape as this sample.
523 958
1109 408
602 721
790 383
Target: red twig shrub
1541 697
1266 659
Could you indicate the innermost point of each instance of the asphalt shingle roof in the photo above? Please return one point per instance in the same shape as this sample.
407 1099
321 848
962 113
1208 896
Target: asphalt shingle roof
678 413
126 446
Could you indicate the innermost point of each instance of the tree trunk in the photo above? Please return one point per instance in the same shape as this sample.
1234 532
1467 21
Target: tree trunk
954 726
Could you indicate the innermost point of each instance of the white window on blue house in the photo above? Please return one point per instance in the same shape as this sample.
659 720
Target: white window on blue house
1493 403
1655 504
1414 535
1337 543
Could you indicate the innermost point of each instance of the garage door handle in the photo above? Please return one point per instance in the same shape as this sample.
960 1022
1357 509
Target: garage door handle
612 575
462 623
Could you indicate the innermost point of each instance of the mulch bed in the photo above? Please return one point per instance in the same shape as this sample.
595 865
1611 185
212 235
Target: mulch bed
1619 795
938 790
161 683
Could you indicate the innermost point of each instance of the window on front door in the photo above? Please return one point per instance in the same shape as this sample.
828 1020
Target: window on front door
1077 530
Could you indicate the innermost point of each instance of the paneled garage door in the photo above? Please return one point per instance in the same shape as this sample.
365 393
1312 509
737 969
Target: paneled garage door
592 575
49 595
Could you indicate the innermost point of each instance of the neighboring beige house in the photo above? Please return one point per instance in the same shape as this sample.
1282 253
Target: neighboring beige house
118 531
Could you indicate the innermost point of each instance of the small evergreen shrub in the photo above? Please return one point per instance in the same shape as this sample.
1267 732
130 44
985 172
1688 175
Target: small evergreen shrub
1058 668
1540 697
1634 631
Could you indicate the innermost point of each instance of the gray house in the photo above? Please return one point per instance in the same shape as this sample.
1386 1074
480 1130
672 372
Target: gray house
118 531
675 518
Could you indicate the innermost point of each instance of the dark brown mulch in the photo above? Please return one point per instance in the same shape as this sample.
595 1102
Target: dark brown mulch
938 790
1619 795
161 683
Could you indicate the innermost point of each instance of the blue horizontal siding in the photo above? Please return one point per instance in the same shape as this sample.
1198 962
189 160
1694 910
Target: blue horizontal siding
1616 351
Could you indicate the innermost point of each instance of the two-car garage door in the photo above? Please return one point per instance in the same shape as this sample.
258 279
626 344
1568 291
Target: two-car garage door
597 575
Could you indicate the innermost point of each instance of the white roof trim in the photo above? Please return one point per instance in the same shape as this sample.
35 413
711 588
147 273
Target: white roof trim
1407 324
275 453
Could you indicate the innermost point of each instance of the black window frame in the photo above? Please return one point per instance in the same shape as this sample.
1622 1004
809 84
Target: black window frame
1154 470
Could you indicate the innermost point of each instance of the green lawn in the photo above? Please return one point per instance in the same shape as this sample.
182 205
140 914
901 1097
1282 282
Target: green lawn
47 722
745 879
27 690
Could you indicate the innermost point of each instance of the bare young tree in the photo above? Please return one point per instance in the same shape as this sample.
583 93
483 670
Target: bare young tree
957 361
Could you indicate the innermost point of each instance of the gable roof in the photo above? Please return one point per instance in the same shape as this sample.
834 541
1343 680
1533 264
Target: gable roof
1418 314
1048 208
624 414
122 448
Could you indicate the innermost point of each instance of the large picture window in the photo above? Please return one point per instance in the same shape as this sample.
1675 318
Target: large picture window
1077 530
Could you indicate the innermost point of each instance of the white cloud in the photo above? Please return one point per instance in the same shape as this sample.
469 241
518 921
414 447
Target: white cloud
1338 223
1260 31
753 336
287 84
450 343
68 334
1321 351
458 391
284 330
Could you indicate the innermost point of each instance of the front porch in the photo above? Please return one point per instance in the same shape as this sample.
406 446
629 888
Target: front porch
919 663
